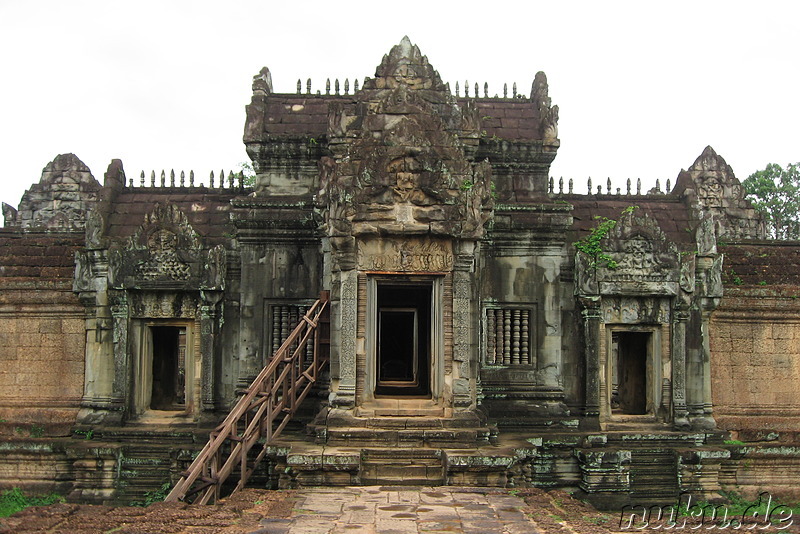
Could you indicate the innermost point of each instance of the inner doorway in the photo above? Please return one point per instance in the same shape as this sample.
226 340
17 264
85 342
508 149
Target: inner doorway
403 339
169 368
630 381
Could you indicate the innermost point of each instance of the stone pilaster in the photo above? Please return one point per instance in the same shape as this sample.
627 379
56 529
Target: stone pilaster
463 334
679 411
208 336
591 319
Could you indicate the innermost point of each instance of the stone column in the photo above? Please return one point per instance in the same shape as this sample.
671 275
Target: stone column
208 335
703 418
679 411
344 325
463 333
590 316
123 367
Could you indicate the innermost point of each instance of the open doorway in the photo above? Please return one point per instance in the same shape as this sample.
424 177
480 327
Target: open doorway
165 367
169 368
631 380
403 341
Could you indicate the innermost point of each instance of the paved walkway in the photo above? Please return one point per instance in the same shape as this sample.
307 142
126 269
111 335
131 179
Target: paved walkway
362 510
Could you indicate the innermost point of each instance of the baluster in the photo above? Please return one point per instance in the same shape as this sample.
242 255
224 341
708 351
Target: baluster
515 336
499 338
276 328
525 333
490 337
284 322
507 337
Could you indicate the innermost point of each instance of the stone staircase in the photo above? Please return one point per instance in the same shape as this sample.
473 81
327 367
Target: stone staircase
409 467
147 456
653 475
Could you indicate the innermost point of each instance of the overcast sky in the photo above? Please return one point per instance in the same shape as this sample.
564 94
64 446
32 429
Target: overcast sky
642 86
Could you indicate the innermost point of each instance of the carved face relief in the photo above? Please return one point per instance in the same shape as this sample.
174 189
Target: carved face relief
638 255
405 171
163 262
711 193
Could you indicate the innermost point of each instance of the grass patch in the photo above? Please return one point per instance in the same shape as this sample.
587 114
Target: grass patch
154 496
14 500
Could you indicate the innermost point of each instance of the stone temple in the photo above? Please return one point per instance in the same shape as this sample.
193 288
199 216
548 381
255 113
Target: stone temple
482 325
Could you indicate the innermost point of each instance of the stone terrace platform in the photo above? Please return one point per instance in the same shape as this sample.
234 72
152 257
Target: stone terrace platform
371 509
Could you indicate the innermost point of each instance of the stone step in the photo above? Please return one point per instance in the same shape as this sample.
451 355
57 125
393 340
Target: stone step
408 438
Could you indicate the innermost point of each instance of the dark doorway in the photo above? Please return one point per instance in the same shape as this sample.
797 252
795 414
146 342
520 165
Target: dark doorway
169 368
631 383
404 339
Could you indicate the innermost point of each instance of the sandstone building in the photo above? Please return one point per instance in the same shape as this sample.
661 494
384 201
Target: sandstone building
468 335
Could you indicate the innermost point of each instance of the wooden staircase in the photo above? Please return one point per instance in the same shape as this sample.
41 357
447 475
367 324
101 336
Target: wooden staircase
262 412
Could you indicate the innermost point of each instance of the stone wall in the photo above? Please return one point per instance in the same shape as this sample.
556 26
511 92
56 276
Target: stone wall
755 361
42 335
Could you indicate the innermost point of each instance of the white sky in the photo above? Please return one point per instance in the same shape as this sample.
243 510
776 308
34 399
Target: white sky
642 86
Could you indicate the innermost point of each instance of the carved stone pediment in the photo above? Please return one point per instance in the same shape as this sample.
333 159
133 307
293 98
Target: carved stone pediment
400 165
644 261
713 189
164 251
641 250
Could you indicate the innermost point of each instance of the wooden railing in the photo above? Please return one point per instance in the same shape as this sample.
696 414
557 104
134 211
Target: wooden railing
260 414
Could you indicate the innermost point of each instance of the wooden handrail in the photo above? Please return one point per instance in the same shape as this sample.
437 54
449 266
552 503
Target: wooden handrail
273 396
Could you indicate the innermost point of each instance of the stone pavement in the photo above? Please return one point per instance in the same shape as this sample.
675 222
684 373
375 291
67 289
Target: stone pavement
404 510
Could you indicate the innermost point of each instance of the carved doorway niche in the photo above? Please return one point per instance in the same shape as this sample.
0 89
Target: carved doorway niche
165 368
404 337
632 374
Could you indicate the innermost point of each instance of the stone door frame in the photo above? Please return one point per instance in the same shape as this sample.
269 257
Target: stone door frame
436 351
653 366
142 365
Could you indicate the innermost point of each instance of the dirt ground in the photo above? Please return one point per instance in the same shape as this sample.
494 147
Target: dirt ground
241 513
